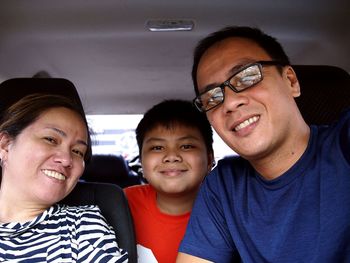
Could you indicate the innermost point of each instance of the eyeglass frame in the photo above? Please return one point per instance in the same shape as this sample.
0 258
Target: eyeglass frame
227 83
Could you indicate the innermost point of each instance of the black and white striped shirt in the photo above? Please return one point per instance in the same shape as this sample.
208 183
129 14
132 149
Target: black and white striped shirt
61 234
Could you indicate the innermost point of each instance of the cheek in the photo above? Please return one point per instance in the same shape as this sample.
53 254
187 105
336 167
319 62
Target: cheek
79 168
149 162
214 118
217 122
199 162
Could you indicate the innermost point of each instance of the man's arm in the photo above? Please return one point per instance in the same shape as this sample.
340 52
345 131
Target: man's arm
183 258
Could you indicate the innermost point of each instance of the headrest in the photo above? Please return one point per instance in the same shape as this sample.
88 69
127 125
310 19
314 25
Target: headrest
325 92
109 169
12 90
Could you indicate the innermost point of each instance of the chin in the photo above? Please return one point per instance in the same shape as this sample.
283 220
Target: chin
52 197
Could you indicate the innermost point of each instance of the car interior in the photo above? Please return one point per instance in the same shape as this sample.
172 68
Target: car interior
122 57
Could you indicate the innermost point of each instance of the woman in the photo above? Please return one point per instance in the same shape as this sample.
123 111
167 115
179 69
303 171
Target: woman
44 143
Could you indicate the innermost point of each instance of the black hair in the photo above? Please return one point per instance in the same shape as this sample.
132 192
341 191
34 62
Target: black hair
170 113
27 110
272 47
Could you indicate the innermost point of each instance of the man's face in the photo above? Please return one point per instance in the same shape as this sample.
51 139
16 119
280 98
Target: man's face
256 121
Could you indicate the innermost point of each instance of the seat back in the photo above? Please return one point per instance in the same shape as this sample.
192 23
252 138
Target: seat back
325 92
109 169
114 206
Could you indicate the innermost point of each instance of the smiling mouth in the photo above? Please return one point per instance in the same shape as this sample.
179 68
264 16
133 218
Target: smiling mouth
246 123
55 175
172 172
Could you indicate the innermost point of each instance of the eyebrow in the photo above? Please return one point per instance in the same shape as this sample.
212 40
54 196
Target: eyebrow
62 133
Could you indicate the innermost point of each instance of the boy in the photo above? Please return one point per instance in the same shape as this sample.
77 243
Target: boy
175 146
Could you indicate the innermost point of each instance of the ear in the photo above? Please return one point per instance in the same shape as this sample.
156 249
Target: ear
5 141
211 161
293 82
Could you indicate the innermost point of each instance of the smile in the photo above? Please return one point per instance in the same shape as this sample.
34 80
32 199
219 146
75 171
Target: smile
54 174
246 123
172 172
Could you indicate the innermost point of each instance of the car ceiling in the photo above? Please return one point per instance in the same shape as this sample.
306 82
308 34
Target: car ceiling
121 67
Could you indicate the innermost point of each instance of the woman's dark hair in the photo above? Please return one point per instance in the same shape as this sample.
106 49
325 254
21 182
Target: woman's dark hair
272 47
170 113
27 110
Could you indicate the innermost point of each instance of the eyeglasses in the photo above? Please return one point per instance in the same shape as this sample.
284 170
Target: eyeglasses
244 78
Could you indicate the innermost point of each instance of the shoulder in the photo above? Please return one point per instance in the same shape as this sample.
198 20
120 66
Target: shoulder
230 165
140 198
138 191
79 211
333 137
340 127
79 218
344 122
344 137
345 114
229 171
231 161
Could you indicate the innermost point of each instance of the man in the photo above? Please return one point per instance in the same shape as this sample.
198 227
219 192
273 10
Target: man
286 197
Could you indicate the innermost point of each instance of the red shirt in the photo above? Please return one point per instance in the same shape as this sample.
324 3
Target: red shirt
161 233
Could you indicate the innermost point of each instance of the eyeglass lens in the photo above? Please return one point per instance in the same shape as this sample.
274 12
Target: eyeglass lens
242 80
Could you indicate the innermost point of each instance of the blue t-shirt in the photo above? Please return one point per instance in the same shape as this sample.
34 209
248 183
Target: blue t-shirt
301 216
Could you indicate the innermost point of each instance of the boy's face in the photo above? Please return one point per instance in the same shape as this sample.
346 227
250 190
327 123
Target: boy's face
175 160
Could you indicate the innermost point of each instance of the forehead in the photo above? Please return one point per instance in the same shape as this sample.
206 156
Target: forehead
173 130
217 62
62 118
60 111
235 47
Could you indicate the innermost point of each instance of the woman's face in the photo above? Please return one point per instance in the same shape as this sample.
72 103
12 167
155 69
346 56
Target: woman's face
44 162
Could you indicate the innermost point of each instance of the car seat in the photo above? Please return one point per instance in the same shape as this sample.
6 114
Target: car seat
325 92
110 198
110 169
114 206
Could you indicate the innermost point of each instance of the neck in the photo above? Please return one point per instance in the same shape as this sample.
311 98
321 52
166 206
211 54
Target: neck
175 204
14 209
278 162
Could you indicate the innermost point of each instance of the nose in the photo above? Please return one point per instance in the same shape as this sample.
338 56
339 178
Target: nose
172 155
233 100
64 157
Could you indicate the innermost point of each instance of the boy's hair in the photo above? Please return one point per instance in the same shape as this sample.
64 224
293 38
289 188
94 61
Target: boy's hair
170 113
272 47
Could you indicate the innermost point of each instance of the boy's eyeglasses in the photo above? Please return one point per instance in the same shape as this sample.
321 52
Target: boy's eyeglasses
243 79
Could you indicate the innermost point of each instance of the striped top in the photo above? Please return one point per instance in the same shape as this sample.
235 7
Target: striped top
61 234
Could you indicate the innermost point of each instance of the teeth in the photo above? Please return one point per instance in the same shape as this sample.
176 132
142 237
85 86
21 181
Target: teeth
54 174
246 123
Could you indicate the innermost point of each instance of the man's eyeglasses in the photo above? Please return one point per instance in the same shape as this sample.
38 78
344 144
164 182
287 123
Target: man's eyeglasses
243 79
